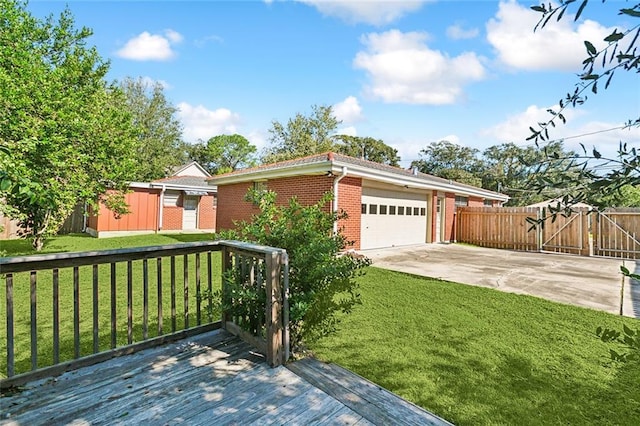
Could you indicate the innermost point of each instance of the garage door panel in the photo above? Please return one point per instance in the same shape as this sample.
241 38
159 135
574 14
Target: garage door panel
392 218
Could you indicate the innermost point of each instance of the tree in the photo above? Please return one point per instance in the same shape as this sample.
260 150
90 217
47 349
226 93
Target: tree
66 133
223 153
302 136
159 132
509 169
620 53
367 148
450 161
321 277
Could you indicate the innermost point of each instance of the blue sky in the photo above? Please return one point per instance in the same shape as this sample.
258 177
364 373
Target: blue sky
409 73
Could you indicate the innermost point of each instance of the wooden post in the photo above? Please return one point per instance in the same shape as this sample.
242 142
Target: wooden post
226 267
275 349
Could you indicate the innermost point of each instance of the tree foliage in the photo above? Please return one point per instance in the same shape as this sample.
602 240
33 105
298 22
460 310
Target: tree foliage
450 161
223 153
367 148
67 135
321 277
158 130
302 135
598 174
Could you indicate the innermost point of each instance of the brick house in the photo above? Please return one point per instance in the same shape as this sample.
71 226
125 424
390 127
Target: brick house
386 206
184 202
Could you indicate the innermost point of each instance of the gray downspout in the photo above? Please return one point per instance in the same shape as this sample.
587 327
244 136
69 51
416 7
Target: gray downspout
335 196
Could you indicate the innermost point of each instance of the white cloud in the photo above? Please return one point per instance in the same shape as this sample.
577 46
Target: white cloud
454 139
173 36
375 12
515 128
349 131
457 32
209 39
591 134
403 69
557 46
151 47
348 111
257 138
150 82
202 123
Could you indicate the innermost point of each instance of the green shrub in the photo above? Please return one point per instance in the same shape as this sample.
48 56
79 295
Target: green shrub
321 275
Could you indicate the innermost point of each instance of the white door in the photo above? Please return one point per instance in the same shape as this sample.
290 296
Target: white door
190 212
392 218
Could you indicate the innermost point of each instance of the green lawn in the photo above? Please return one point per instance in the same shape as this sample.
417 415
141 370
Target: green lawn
71 243
478 356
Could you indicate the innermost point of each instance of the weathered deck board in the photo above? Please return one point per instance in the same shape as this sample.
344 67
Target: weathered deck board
213 378
376 404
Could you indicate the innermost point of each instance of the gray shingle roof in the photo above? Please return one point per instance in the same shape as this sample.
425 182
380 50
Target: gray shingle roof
184 180
326 157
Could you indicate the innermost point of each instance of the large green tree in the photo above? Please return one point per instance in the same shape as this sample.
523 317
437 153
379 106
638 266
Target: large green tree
66 133
223 153
367 148
158 130
509 168
302 135
451 161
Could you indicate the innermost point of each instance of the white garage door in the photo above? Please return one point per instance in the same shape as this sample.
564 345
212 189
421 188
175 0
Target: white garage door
392 218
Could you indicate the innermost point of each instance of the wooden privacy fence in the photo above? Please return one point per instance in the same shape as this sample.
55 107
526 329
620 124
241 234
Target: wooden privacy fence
612 233
64 311
616 233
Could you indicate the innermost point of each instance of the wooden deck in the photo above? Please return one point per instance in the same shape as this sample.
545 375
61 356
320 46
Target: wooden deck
213 378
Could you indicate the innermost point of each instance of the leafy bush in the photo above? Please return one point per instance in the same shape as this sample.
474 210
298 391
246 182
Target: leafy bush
321 276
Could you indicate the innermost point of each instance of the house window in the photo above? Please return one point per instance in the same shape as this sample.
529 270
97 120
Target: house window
423 211
215 201
363 209
488 203
383 209
171 198
392 210
400 210
260 186
373 209
462 201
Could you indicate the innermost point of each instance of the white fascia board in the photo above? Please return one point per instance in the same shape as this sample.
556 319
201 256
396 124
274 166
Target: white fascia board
298 170
142 185
414 182
210 188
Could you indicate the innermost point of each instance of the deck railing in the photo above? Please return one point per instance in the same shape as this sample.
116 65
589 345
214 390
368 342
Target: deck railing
64 311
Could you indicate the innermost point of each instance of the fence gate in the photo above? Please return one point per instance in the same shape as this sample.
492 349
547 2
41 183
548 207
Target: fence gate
617 233
567 234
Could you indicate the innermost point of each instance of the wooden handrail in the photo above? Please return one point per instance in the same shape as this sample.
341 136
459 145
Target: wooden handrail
272 340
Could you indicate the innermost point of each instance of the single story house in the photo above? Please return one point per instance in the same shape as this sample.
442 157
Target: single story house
184 202
386 206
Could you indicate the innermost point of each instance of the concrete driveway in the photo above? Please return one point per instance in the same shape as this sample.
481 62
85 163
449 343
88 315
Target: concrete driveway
591 282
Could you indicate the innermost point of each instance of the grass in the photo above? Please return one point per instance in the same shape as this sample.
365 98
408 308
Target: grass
479 356
71 243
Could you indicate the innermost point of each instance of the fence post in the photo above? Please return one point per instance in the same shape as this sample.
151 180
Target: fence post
274 306
540 228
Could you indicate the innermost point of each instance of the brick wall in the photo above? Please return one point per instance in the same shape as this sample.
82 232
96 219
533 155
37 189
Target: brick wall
449 212
207 212
232 206
172 217
476 202
349 200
